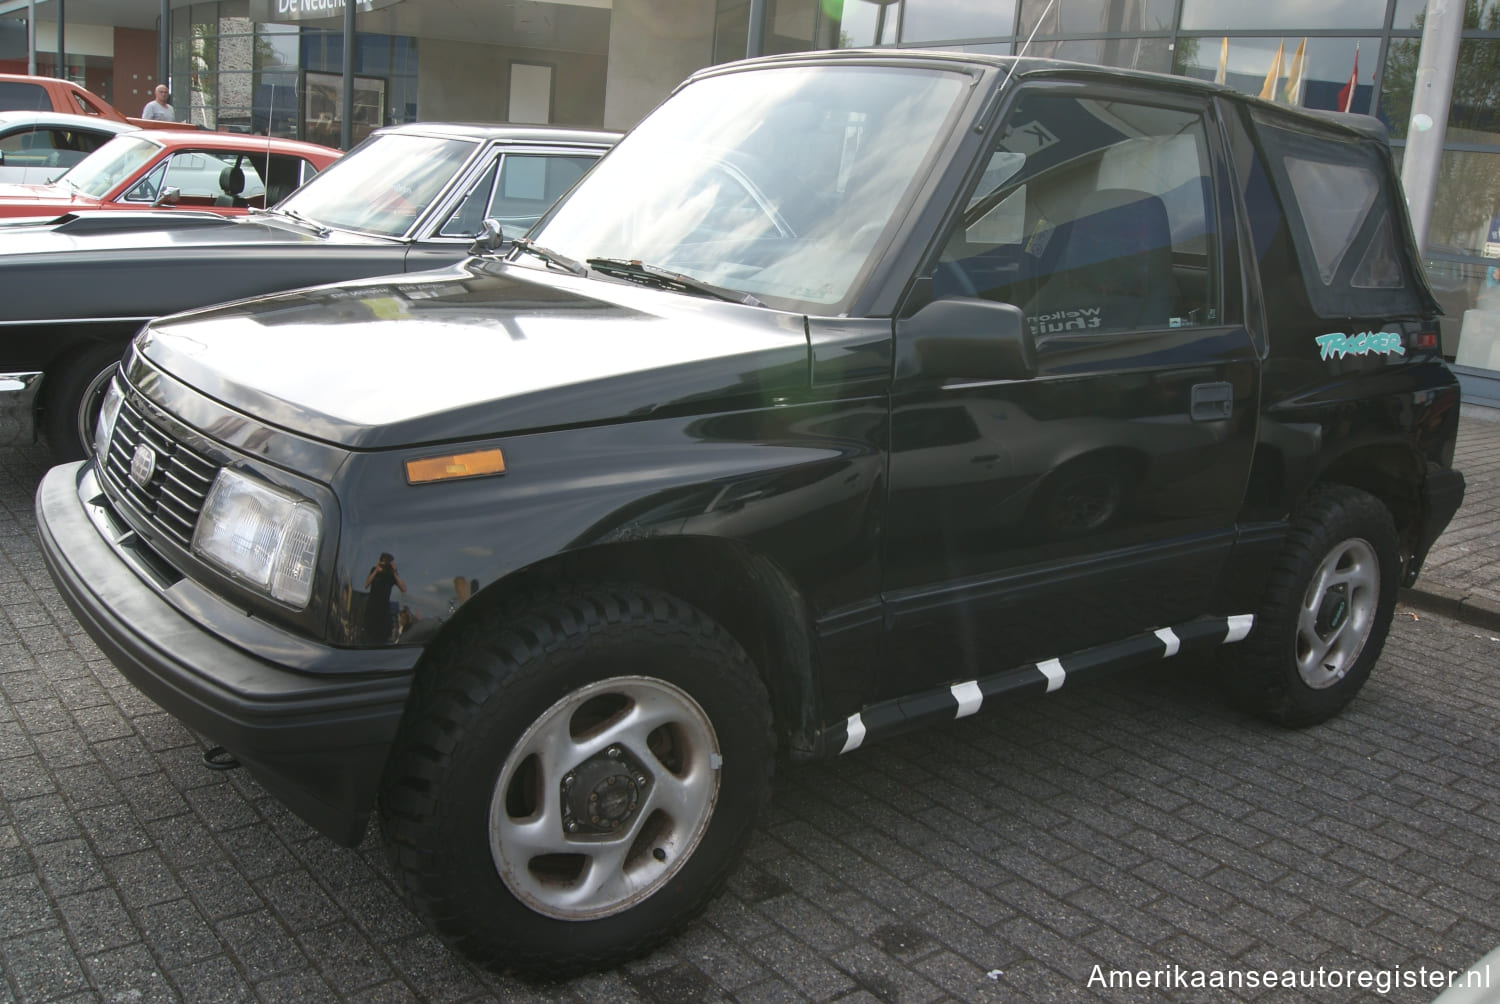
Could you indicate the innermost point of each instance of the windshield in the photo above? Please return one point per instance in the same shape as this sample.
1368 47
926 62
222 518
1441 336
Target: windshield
109 165
774 182
381 186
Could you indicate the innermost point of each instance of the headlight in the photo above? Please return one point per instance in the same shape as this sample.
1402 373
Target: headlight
261 535
108 412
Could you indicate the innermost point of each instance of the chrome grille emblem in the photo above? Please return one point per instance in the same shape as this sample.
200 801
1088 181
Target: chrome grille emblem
143 465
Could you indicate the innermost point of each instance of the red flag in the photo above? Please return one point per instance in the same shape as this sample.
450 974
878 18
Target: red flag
1346 94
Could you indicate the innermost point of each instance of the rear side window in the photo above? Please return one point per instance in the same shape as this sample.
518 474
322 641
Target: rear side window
17 96
1342 215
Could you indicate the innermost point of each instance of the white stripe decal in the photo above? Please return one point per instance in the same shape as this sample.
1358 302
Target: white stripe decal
968 697
856 730
1239 626
1054 672
1170 640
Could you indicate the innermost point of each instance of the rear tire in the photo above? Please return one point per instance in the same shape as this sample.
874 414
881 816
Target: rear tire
1325 612
576 778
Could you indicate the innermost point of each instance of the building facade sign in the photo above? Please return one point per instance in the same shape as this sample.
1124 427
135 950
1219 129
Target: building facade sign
310 10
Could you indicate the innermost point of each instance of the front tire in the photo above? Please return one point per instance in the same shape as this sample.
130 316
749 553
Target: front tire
576 778
72 397
1326 611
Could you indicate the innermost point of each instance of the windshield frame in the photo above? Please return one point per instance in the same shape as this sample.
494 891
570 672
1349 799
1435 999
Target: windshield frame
919 180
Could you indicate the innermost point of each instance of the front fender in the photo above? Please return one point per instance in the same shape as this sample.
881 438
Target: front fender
800 485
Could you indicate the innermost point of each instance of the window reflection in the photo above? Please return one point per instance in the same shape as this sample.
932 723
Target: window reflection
1084 17
1132 53
1328 65
942 20
1473 116
1282 14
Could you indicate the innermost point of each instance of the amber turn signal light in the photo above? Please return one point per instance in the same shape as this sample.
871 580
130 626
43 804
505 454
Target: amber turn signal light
457 465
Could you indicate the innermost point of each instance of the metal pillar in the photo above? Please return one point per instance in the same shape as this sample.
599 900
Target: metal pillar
755 43
164 47
31 37
1431 96
346 110
62 52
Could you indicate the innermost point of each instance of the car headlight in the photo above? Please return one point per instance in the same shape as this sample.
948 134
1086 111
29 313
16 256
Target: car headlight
108 412
261 535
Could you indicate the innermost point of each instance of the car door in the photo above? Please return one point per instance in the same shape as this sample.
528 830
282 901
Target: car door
515 186
1034 517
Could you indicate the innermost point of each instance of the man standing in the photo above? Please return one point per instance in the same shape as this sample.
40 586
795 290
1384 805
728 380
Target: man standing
160 109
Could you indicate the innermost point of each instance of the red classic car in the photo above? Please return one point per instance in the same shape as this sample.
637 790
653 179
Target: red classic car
20 92
222 172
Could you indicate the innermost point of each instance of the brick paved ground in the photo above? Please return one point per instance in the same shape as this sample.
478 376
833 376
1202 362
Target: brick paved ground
1463 566
1131 824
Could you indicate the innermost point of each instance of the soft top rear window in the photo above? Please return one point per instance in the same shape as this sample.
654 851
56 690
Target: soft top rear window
18 96
1340 195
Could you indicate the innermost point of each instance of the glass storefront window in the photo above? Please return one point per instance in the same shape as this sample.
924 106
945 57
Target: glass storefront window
1132 53
1467 206
1478 14
948 20
1474 116
1093 17
1328 64
1281 15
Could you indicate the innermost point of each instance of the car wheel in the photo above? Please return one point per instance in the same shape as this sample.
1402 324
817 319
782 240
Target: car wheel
71 399
576 777
1325 613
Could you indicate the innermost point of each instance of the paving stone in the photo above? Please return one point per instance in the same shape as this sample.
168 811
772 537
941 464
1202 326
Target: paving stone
1133 824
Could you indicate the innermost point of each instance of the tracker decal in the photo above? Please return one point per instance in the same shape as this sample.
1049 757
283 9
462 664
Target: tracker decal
1339 344
1170 640
1054 672
969 698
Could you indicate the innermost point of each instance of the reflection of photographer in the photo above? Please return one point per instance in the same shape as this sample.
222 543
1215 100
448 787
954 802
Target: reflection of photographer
379 623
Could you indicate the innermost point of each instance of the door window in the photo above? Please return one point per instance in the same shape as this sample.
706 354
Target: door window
1091 215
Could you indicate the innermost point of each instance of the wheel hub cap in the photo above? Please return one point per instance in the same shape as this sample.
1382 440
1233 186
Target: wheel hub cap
603 794
1334 610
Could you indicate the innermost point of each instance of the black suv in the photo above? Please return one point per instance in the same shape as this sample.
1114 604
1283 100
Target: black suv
851 392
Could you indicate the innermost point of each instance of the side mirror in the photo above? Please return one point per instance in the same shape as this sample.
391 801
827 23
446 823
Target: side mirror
168 197
962 337
490 241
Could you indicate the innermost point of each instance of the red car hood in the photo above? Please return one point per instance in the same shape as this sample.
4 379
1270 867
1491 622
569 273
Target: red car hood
35 200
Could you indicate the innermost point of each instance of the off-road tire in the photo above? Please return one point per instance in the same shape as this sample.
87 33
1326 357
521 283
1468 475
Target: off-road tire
484 701
1349 535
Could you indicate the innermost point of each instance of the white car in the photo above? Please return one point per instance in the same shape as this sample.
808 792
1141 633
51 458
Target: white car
37 147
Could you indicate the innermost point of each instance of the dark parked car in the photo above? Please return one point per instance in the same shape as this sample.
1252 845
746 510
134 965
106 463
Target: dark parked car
408 198
851 392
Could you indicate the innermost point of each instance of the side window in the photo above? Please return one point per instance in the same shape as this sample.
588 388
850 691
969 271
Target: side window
284 174
1091 215
85 106
530 183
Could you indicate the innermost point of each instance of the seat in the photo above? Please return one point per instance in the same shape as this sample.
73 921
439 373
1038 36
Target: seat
1114 269
232 182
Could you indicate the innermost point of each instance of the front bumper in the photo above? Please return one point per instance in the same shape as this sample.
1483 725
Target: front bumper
318 742
1442 494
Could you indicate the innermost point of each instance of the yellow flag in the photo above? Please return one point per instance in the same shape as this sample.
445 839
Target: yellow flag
1223 60
1295 74
1273 75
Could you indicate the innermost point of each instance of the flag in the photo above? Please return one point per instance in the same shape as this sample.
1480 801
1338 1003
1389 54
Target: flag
1223 60
1273 75
1295 74
1346 95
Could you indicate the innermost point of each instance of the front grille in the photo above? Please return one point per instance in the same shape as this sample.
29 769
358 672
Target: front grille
172 497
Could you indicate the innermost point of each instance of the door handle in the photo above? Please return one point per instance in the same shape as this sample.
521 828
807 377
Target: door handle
1211 402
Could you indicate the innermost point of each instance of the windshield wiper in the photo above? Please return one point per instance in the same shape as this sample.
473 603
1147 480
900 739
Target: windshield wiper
651 275
549 256
297 217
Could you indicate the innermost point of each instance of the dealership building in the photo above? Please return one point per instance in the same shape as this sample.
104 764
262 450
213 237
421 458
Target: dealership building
278 66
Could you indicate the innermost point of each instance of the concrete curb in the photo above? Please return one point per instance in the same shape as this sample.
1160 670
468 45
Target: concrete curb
1476 611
